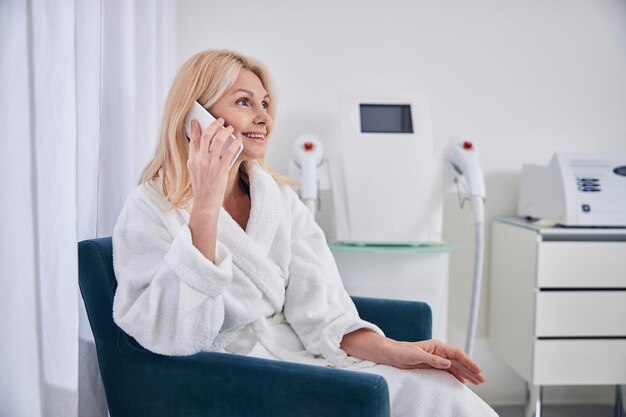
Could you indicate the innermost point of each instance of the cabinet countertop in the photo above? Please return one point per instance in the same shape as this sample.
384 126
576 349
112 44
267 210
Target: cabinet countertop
557 232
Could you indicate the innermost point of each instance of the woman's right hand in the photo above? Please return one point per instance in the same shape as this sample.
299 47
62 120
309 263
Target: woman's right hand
208 174
207 170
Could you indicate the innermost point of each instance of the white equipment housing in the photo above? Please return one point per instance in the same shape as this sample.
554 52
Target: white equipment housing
308 152
387 181
463 157
576 190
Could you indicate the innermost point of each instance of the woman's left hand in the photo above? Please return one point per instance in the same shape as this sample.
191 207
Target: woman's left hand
438 355
433 353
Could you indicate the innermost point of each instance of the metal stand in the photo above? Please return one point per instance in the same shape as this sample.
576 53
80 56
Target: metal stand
534 399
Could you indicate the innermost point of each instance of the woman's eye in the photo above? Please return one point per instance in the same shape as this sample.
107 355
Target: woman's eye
246 102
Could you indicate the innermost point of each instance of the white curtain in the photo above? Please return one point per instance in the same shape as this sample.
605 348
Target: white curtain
82 83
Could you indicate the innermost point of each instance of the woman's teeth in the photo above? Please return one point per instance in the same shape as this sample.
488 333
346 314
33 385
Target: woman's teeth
254 135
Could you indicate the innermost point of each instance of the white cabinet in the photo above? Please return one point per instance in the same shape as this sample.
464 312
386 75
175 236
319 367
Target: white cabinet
558 303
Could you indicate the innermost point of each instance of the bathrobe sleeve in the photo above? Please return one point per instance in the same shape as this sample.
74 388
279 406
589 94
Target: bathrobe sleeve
169 296
316 304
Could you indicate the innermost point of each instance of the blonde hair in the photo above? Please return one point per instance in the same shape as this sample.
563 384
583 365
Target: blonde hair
205 77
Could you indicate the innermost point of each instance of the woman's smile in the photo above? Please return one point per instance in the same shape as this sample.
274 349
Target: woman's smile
254 136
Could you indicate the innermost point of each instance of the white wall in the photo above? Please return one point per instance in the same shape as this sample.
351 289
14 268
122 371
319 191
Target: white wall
521 78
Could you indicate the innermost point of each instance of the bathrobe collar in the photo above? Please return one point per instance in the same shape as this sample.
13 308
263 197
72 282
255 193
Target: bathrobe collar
264 198
250 248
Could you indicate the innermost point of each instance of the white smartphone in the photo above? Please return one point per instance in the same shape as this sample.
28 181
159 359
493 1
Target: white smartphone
205 118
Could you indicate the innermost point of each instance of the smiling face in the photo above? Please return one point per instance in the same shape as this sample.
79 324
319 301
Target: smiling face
245 107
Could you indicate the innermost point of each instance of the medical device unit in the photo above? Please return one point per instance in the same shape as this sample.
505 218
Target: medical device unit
386 180
462 156
308 156
576 190
388 190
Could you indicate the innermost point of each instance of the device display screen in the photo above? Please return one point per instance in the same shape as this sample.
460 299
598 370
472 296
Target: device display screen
386 118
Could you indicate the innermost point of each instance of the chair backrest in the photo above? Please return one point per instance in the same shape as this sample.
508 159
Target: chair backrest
97 285
115 348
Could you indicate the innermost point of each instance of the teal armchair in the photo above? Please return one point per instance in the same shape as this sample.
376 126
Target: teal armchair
140 383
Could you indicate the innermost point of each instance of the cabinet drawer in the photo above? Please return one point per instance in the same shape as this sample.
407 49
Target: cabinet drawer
580 362
581 264
581 313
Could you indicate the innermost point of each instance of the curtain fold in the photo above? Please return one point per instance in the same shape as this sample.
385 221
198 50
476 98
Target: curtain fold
129 47
83 83
38 211
17 393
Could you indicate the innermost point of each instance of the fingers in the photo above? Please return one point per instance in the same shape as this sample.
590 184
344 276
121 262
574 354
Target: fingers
453 353
457 375
195 131
194 140
456 368
433 360
460 371
231 150
204 145
461 357
460 365
219 140
218 150
209 134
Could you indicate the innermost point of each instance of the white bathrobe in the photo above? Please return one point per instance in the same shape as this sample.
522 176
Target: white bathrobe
274 291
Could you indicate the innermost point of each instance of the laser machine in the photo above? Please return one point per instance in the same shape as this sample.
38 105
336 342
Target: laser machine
388 199
576 189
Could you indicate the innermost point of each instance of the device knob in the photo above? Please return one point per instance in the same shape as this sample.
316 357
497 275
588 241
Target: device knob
467 145
308 146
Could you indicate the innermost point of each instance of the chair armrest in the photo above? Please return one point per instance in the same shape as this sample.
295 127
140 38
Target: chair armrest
408 321
222 384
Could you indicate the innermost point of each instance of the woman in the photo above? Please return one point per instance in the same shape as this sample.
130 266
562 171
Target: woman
216 259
